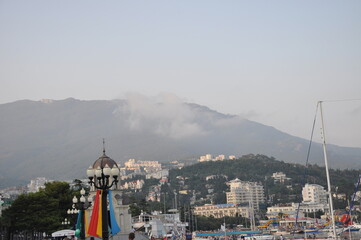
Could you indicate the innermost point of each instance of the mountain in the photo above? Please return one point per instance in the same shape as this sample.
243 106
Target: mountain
60 139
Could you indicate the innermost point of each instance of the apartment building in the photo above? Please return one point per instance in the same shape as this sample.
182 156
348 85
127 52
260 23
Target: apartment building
314 193
243 192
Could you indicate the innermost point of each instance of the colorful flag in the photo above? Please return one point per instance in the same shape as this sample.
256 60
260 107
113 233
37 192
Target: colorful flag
113 222
86 223
94 220
100 215
78 225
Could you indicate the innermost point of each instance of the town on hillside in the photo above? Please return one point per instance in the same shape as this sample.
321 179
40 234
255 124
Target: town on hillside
194 198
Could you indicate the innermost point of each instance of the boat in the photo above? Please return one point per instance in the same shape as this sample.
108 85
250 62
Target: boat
158 225
334 236
258 237
281 232
349 228
328 228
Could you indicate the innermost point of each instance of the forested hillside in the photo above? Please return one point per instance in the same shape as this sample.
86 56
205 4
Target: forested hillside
259 168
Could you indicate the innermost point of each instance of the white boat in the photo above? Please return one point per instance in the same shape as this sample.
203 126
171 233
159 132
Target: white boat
160 225
63 233
355 225
279 233
258 237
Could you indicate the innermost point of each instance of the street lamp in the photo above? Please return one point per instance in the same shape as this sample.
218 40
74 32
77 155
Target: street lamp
103 175
65 222
80 205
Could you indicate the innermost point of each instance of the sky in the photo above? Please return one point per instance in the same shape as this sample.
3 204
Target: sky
267 61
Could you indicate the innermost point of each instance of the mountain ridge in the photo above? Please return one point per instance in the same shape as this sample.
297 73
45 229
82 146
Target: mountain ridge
61 138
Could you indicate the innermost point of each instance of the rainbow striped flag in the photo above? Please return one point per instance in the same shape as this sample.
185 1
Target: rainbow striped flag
96 223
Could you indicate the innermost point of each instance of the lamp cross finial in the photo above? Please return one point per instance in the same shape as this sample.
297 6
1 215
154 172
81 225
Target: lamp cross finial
103 146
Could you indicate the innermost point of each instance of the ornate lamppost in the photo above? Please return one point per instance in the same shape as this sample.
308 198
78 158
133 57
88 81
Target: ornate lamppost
103 175
80 205
65 222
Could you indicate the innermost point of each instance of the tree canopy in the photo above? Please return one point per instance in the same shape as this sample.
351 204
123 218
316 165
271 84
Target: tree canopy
42 211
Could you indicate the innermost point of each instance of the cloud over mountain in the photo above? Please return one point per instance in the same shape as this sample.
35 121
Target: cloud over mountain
165 115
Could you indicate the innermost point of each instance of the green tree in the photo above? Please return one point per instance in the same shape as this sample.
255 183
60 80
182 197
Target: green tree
134 209
39 212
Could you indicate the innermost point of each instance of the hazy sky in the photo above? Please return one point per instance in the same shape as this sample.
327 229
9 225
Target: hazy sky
269 61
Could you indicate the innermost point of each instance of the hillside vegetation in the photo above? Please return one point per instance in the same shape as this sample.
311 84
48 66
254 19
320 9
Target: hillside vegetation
259 168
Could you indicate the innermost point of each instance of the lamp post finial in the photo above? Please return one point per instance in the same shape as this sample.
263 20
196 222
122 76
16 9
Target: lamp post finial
103 146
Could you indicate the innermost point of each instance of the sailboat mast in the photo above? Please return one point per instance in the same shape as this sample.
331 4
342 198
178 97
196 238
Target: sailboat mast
327 172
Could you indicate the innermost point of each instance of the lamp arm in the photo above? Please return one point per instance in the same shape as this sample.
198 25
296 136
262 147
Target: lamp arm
115 180
91 182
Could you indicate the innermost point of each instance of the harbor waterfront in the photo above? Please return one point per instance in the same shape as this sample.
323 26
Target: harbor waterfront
170 207
207 234
259 235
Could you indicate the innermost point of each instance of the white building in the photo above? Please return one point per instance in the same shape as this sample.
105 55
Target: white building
133 164
274 211
245 192
209 157
313 193
222 210
219 158
290 209
136 185
158 174
205 158
280 177
36 184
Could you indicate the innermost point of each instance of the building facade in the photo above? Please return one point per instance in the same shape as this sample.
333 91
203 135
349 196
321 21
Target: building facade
133 164
222 210
242 192
294 209
314 193
280 177
36 184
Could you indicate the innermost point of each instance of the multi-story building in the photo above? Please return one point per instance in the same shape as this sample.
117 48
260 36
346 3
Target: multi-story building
136 185
222 210
287 209
158 174
219 158
205 158
314 193
291 209
209 157
241 192
36 184
280 177
133 164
